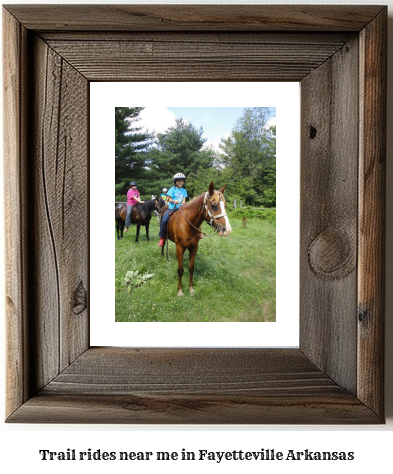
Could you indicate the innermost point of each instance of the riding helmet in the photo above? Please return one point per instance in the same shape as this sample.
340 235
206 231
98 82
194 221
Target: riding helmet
178 176
164 190
133 183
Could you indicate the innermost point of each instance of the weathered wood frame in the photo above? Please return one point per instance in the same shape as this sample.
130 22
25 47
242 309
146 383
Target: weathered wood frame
338 53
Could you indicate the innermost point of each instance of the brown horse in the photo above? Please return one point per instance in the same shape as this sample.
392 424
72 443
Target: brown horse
184 228
161 208
141 215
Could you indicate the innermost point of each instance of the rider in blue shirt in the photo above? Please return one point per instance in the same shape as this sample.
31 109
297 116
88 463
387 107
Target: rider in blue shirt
176 197
164 195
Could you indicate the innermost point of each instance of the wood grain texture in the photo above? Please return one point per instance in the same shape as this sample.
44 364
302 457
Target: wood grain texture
372 189
193 386
335 376
200 18
194 409
207 371
201 37
60 117
329 200
216 60
14 73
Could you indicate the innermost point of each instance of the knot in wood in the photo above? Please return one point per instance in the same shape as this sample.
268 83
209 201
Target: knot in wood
80 299
313 132
363 316
331 254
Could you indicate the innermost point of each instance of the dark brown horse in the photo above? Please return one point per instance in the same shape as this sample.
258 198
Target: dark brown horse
141 215
161 208
184 228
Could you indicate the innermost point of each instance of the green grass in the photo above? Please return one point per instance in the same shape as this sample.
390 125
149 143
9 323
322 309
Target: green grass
234 277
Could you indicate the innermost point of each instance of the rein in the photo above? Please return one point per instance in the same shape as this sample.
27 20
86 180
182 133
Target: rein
192 225
212 217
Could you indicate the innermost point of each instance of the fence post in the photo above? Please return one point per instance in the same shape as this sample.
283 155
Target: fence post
234 204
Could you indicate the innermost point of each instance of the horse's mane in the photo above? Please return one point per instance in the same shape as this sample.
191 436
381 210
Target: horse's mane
216 197
146 203
145 208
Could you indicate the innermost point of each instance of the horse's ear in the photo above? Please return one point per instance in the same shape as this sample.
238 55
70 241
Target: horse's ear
223 189
211 188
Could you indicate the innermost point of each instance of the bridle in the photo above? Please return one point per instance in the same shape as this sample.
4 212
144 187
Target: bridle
213 217
158 208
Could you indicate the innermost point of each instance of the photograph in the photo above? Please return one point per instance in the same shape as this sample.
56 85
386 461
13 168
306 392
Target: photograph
195 212
236 148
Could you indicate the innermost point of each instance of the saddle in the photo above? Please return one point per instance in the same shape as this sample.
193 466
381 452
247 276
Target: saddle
172 211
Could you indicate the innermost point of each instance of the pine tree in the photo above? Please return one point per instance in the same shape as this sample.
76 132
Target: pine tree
131 145
179 150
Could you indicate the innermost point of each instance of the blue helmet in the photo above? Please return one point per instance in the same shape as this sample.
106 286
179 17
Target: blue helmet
133 183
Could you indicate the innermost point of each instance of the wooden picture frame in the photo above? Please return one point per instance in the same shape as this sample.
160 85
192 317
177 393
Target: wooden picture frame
338 54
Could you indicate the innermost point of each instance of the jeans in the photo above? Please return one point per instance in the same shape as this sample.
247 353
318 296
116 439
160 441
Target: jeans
129 212
164 225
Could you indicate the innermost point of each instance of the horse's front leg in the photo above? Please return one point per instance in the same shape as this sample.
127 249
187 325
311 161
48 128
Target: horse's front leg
138 228
180 269
147 231
192 253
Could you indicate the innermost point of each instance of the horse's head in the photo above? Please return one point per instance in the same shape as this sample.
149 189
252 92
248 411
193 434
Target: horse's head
159 205
215 210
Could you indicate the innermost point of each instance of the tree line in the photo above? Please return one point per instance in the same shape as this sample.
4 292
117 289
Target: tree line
246 161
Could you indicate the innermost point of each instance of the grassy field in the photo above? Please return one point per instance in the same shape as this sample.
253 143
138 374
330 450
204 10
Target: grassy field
234 277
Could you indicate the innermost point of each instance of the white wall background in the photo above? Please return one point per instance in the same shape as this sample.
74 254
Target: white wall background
19 444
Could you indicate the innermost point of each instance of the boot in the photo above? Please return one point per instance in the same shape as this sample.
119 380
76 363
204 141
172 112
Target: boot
161 243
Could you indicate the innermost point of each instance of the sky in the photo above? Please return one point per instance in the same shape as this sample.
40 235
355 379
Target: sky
217 122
